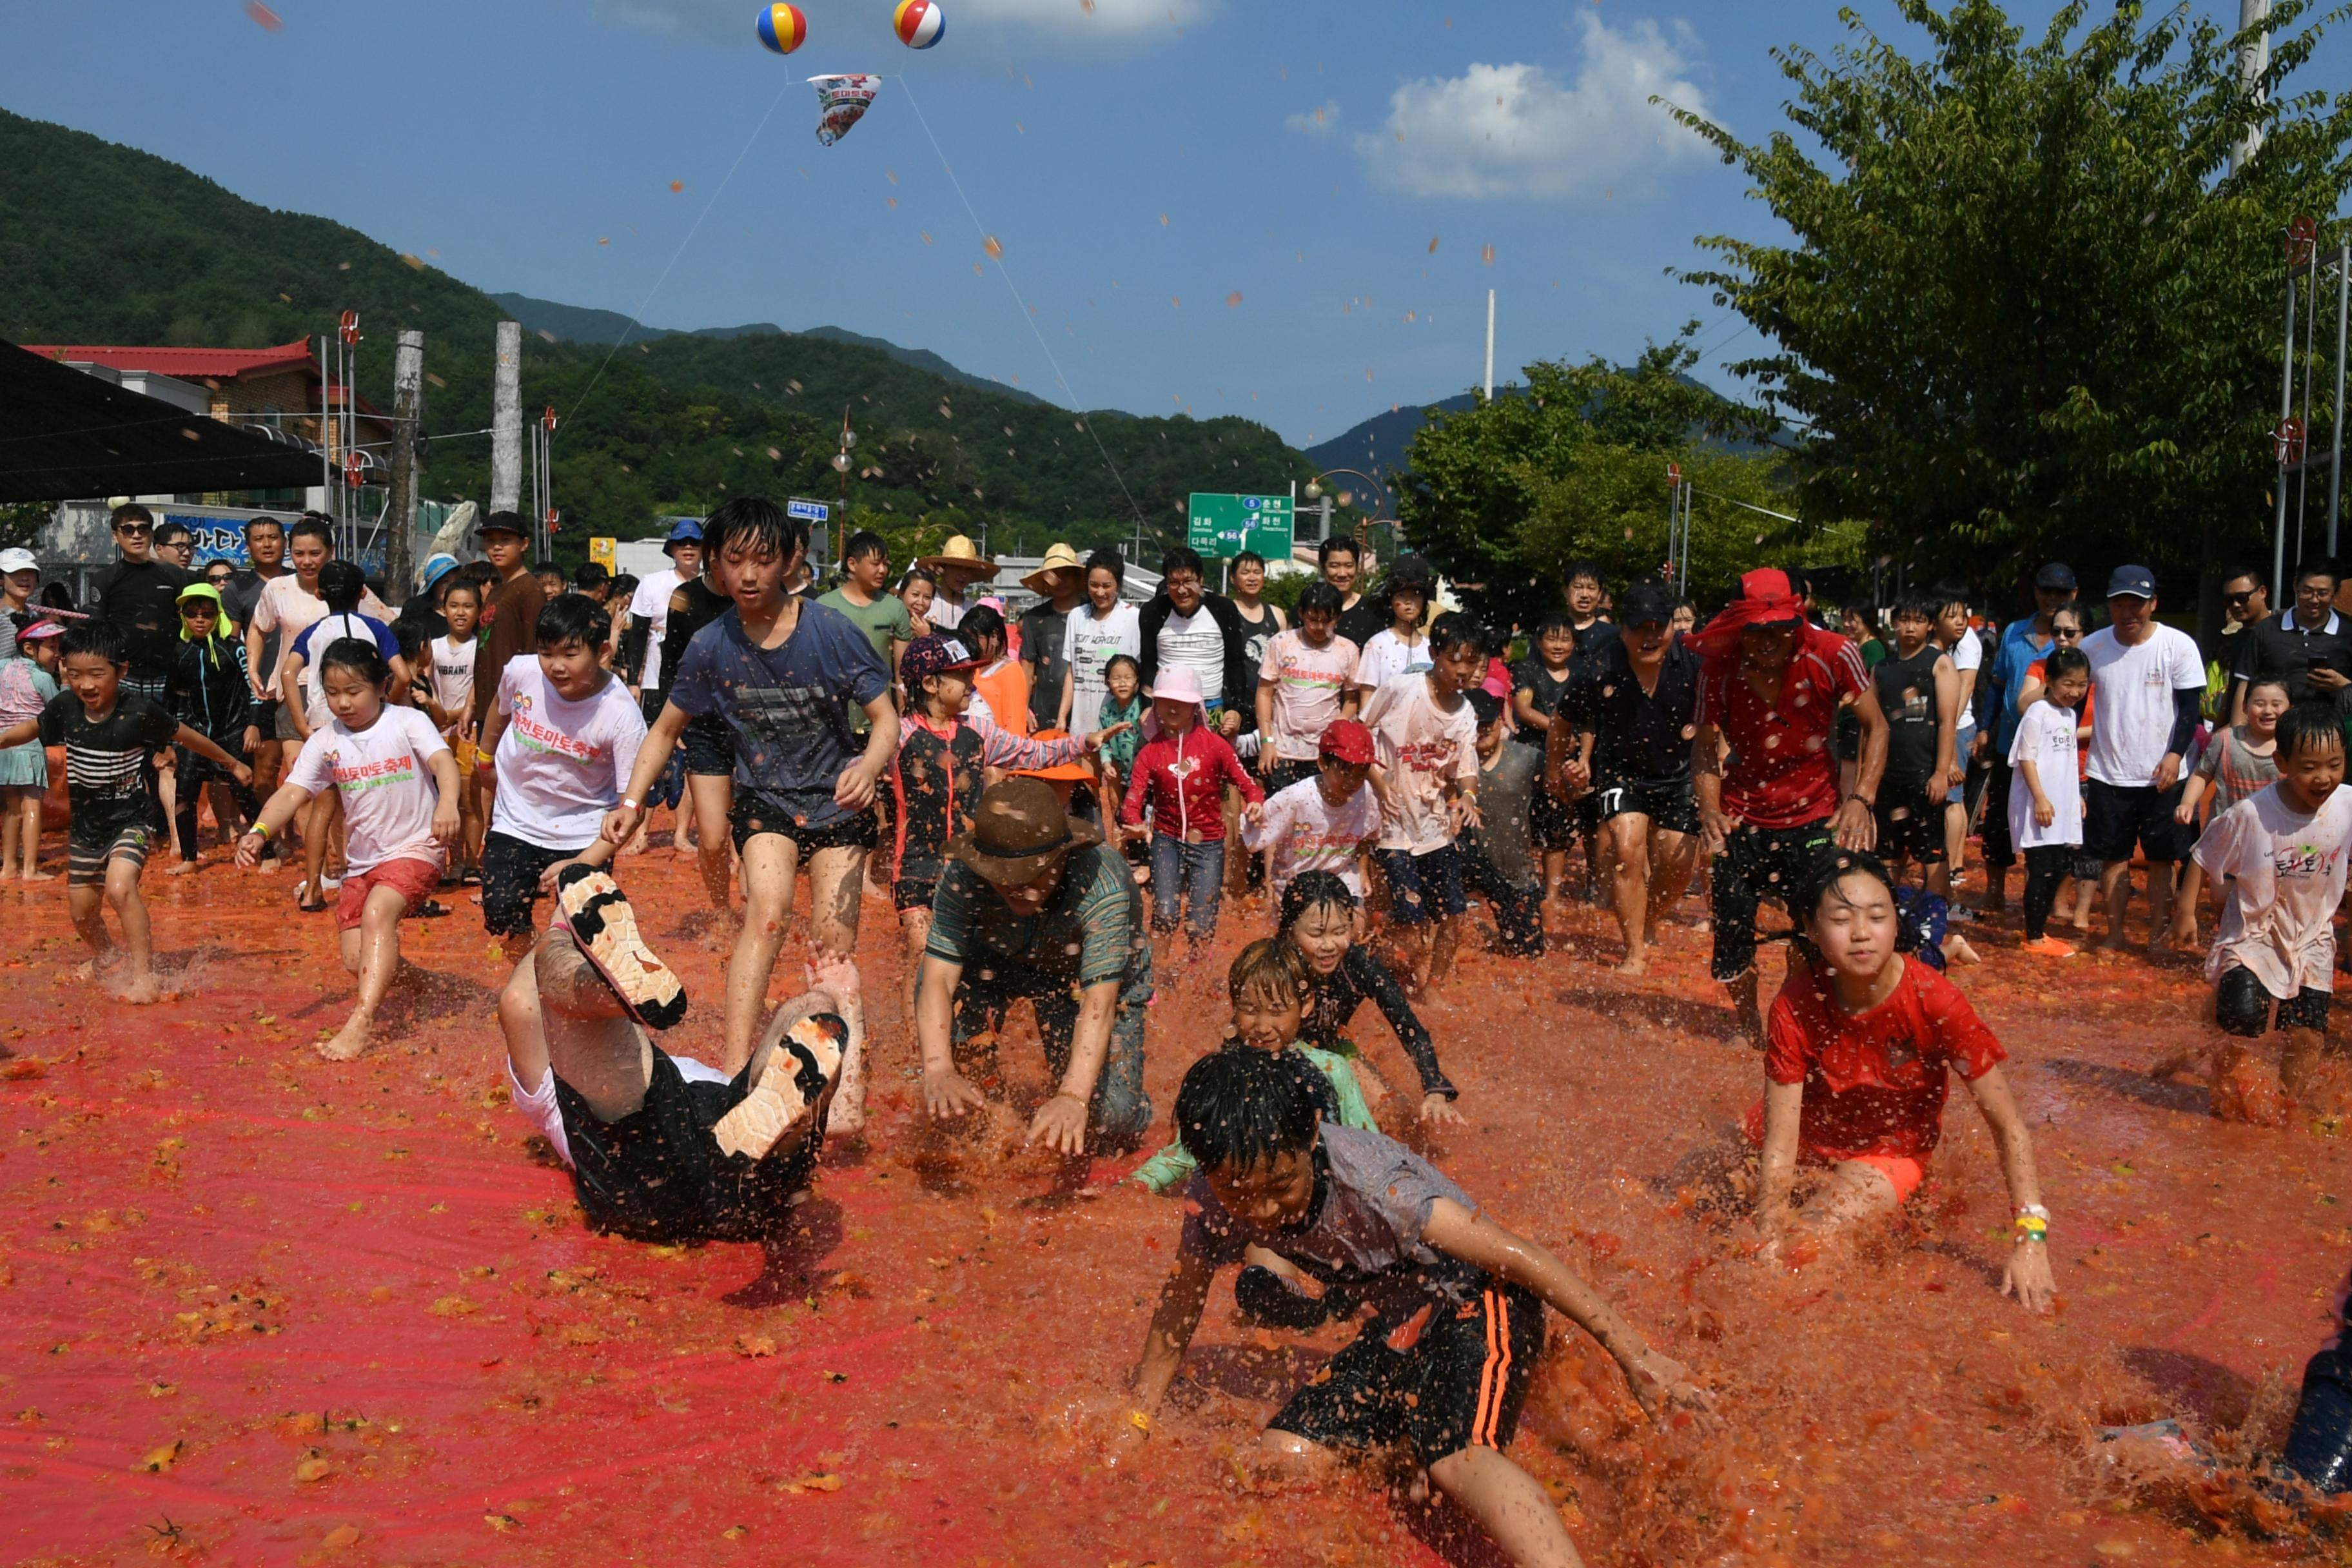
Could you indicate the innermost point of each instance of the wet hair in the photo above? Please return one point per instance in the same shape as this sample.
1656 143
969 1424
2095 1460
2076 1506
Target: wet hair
1181 558
310 526
1240 1109
1248 558
1319 597
2308 725
917 574
2062 662
2259 681
253 522
1569 573
130 511
99 637
1314 890
1109 561
591 574
1455 630
341 583
359 655
1484 706
1270 967
980 621
759 526
573 618
1834 866
1558 621
865 544
1337 544
2320 566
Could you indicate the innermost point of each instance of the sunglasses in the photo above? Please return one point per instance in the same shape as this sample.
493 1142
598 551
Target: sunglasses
132 528
2244 598
2065 631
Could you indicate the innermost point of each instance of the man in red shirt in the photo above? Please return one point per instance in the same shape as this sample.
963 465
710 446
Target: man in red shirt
1769 691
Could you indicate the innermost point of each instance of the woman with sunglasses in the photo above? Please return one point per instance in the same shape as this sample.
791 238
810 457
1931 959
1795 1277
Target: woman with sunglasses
2066 631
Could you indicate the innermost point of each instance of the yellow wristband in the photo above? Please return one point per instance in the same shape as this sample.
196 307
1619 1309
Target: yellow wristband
259 829
1140 1421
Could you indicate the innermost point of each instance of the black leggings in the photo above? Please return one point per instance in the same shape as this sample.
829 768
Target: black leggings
196 775
2047 866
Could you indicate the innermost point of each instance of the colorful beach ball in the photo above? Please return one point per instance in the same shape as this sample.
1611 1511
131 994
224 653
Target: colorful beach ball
920 23
782 28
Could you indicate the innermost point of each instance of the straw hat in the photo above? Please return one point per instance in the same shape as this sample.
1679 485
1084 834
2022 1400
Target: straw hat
959 554
1058 558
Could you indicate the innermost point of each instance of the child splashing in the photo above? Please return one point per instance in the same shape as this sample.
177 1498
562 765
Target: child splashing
398 780
1855 1082
1318 917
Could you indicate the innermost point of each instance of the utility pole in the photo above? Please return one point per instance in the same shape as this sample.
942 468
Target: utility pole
2253 61
1490 336
506 421
407 440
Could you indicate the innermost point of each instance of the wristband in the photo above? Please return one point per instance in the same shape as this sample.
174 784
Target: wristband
1866 800
2031 1227
260 830
633 805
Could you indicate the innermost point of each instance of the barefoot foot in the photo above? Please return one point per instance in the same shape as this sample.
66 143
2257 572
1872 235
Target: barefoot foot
349 1041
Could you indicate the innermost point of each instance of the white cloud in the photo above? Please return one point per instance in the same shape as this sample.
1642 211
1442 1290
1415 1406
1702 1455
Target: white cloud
1106 21
1513 132
1317 121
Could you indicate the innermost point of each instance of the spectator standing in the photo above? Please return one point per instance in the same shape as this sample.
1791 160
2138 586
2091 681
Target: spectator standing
2309 646
1106 627
1186 626
1341 561
2145 683
1060 585
138 596
648 615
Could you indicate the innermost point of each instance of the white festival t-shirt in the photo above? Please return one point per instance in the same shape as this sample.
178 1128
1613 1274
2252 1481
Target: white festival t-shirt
1308 683
1423 747
2045 737
1387 655
2285 876
387 789
651 600
2131 693
1308 832
1090 642
560 766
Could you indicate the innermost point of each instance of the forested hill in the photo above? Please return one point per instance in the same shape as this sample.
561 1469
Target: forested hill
100 242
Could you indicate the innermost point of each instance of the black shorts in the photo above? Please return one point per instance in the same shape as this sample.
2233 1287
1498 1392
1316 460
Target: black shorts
2116 816
754 814
2241 1006
1757 864
650 703
1447 1379
709 747
1909 822
1671 807
1423 888
1551 821
1289 772
510 872
656 1174
915 893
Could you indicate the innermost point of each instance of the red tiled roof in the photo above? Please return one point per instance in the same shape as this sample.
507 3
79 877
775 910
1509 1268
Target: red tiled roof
187 364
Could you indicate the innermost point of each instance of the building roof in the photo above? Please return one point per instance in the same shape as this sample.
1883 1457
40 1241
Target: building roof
187 364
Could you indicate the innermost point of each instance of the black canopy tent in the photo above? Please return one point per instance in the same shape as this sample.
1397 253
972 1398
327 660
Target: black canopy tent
65 435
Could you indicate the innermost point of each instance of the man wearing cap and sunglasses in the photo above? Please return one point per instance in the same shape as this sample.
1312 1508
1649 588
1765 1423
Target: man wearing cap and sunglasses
1032 904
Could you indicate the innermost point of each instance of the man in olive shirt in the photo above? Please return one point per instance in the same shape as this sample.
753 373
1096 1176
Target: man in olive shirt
865 598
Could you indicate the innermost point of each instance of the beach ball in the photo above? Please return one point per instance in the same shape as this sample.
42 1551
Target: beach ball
920 23
782 28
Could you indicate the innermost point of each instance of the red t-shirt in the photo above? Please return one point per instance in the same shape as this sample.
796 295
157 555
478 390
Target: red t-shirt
1875 1084
1782 773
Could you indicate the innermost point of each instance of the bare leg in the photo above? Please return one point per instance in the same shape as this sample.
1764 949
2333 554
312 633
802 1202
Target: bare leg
915 925
1509 1504
836 889
1746 1009
714 797
138 936
1854 1192
87 906
2114 886
10 818
1442 948
1673 857
1629 843
771 862
1555 872
2159 903
372 951
560 1016
316 816
683 824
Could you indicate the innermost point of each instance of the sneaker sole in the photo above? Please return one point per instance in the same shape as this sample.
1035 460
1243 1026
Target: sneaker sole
597 913
793 1083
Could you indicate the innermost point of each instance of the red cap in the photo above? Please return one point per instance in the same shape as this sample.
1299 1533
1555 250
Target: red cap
1345 740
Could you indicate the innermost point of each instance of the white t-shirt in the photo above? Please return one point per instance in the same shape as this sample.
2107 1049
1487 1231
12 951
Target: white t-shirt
2286 872
1967 654
2045 737
1387 655
2131 693
1423 747
1306 833
540 1110
453 677
1089 643
652 601
944 617
1197 643
562 766
1308 683
289 609
387 790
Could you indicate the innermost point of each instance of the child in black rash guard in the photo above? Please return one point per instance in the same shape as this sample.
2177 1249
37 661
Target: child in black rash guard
1318 914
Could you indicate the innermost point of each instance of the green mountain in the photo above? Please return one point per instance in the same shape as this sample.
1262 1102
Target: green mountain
100 242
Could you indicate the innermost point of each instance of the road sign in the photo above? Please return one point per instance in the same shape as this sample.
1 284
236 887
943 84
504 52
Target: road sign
1227 525
809 511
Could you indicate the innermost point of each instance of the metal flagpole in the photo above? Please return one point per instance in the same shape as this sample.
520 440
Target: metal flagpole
2286 416
2335 450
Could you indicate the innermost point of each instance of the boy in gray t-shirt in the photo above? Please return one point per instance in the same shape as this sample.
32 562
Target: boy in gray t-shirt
1454 1301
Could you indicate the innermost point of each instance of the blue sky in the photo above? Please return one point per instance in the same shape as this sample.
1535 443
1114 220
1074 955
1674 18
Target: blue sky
1224 206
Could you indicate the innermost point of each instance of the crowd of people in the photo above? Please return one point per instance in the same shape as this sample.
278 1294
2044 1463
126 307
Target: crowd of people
1062 803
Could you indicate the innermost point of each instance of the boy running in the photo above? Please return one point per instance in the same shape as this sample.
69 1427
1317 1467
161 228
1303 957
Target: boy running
1456 1301
1427 743
1540 688
1324 822
111 737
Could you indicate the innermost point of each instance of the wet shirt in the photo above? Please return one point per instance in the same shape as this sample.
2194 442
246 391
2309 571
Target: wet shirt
1309 684
1373 1200
2045 737
693 606
1332 1002
453 675
1425 748
1782 772
1638 738
1906 694
789 707
141 600
1308 832
1875 1081
1090 931
2284 872
2235 770
928 795
385 777
1547 693
1507 794
561 764
110 771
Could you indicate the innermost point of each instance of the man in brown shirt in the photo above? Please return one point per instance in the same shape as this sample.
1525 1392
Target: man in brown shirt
511 612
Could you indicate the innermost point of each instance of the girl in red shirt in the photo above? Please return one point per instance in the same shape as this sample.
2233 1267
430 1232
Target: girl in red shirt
1182 773
1855 1056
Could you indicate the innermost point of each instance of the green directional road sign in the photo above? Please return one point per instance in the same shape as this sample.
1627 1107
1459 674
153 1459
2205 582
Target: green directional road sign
1227 525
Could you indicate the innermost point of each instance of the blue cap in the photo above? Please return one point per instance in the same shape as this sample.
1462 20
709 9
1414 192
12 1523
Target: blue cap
2132 583
436 568
686 529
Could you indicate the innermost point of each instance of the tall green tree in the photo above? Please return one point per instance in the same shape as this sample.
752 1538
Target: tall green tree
2028 309
1499 496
